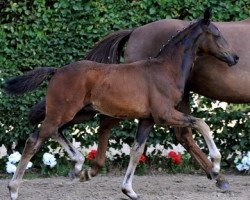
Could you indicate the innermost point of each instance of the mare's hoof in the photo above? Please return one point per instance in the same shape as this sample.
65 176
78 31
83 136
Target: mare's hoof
85 176
222 183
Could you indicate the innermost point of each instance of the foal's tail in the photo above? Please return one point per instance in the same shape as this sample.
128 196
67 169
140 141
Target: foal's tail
110 48
28 81
37 113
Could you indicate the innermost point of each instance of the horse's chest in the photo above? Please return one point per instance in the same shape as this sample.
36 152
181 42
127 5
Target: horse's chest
170 91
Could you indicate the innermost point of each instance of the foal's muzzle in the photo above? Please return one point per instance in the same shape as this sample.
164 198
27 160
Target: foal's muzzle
232 60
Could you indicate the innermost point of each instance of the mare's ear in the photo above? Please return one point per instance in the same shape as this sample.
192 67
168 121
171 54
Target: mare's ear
207 16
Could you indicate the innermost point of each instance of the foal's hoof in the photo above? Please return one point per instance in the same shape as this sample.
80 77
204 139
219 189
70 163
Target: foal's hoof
72 174
85 176
13 190
132 195
222 183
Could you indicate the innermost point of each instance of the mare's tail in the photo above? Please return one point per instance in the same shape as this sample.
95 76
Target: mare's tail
110 48
28 81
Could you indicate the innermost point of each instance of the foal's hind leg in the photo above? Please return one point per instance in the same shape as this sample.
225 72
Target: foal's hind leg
33 143
73 153
106 124
143 131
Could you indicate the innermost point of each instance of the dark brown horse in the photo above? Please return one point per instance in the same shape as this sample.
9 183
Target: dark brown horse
145 42
149 90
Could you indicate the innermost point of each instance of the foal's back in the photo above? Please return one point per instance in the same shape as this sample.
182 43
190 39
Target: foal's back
118 90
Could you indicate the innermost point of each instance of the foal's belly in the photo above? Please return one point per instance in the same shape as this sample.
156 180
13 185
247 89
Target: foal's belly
121 109
120 102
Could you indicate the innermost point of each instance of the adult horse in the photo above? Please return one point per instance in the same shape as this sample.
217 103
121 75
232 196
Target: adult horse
205 79
149 90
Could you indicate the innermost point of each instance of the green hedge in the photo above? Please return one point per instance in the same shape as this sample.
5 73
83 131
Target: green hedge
56 32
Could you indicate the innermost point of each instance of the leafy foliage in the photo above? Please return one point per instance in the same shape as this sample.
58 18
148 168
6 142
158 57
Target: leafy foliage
56 32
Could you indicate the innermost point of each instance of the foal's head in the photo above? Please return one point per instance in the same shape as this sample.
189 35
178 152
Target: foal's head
212 42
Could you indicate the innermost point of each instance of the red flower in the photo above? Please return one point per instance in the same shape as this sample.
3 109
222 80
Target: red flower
175 157
172 154
142 159
92 154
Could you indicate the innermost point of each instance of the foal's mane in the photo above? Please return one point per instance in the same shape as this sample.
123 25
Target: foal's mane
176 38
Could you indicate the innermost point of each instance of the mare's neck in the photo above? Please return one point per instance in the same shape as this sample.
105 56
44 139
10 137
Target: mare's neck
181 51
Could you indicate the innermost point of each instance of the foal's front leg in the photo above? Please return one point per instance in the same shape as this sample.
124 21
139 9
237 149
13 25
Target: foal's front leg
137 149
179 119
184 136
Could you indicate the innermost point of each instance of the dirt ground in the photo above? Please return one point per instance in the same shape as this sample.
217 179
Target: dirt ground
151 187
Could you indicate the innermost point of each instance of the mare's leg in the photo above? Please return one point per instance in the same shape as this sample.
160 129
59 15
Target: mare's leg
106 124
33 144
137 149
179 119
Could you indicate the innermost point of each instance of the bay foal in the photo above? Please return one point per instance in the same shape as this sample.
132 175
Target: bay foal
205 79
149 90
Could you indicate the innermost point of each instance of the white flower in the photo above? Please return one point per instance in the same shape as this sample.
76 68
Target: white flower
240 167
248 154
29 165
150 149
246 167
244 160
115 152
49 159
109 156
10 168
125 149
3 151
159 147
218 104
14 157
178 148
223 105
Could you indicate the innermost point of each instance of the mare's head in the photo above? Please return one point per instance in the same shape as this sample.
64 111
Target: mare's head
212 42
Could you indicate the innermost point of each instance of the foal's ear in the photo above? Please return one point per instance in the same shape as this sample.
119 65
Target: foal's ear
207 16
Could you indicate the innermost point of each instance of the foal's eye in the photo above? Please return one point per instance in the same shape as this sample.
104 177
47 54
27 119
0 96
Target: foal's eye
217 36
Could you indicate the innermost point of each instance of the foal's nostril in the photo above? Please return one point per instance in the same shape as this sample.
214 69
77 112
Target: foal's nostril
236 58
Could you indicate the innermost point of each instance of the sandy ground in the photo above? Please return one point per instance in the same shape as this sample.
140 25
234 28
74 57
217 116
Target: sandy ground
151 187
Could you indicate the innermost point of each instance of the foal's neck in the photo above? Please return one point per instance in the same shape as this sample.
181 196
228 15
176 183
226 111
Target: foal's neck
181 51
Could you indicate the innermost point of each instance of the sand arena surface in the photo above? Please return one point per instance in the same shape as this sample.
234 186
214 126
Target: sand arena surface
150 187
